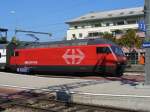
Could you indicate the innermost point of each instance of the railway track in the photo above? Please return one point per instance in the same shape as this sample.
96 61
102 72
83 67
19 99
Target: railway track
128 77
46 102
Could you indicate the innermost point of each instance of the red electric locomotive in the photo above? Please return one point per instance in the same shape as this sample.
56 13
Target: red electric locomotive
75 56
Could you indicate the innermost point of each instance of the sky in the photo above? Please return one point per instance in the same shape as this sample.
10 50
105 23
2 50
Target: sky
50 15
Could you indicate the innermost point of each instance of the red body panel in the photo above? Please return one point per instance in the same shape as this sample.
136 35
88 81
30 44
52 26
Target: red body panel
64 56
55 56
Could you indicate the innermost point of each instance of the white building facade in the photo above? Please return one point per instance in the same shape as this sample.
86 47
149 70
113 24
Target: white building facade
2 56
92 24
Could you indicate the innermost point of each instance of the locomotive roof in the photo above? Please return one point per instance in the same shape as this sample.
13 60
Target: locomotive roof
65 43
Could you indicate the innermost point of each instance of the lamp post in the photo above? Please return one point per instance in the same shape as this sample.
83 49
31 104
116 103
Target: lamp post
13 16
13 13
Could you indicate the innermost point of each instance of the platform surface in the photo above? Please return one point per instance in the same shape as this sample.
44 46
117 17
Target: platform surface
123 94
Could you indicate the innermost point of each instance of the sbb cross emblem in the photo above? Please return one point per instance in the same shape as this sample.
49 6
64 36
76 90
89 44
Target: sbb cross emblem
73 56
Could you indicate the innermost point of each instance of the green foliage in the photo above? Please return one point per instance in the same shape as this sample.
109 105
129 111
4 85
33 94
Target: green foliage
130 39
3 40
15 41
108 36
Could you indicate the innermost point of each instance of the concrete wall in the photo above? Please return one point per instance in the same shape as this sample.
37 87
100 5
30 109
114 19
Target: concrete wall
125 102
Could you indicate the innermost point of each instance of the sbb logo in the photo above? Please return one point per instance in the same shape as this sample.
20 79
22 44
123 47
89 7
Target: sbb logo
73 56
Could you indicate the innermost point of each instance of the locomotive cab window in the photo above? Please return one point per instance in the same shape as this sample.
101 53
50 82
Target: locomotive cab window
117 50
16 53
103 50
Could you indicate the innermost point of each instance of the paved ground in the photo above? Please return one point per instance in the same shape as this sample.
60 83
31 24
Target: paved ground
124 93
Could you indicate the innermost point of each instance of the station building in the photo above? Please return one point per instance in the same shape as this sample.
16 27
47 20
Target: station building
91 24
116 22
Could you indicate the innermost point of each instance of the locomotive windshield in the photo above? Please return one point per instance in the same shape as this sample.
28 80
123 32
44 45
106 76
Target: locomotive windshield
117 50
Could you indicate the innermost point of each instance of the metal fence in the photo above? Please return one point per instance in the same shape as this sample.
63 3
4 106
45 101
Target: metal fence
133 57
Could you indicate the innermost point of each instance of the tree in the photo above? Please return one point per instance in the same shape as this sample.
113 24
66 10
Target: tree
15 41
108 36
130 39
3 40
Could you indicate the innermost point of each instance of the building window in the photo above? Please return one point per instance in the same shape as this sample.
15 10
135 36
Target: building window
114 23
83 26
80 35
120 23
94 34
107 24
83 17
75 27
117 32
103 25
92 16
121 13
73 35
131 12
131 22
98 25
110 15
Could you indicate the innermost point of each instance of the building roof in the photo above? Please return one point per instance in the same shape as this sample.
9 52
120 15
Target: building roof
109 14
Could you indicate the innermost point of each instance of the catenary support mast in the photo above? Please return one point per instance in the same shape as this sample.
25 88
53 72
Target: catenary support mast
147 38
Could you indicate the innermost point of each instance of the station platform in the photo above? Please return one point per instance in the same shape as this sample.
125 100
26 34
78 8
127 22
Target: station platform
120 94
